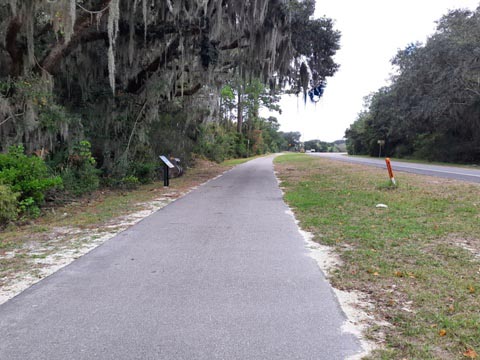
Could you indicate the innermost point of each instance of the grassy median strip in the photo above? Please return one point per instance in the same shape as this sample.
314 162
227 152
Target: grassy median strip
418 260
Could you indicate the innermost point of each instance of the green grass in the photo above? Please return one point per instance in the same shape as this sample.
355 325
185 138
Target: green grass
408 257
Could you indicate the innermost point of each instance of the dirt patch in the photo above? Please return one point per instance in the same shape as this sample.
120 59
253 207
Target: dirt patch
472 245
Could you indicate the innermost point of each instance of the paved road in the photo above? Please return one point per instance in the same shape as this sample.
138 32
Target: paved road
219 274
449 172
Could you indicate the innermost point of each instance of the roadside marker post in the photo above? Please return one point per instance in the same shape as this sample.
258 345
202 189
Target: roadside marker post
390 171
167 165
380 144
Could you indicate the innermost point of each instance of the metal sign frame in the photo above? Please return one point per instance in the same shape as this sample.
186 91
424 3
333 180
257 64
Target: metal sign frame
167 165
166 161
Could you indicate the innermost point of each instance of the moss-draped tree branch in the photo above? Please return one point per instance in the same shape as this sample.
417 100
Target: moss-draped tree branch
58 51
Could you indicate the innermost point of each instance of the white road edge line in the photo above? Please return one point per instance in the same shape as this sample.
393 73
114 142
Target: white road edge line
439 171
400 165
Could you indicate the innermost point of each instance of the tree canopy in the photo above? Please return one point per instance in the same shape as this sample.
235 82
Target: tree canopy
431 110
127 74
324 146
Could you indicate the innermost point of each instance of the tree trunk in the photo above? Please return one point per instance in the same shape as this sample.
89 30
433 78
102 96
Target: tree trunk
239 111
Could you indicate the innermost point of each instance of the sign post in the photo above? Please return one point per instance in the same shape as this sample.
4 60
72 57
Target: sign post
167 165
380 143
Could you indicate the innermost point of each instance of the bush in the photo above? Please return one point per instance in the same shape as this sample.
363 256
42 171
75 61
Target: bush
8 205
129 182
29 208
145 172
80 181
80 175
216 143
28 176
241 146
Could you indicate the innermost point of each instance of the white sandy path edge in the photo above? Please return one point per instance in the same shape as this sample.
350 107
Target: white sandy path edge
67 254
351 302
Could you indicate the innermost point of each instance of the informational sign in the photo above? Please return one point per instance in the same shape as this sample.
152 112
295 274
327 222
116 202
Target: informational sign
167 165
166 161
380 143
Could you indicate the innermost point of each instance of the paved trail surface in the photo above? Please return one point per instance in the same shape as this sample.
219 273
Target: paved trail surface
221 273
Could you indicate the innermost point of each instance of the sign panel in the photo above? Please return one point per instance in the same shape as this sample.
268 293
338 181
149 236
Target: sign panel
166 161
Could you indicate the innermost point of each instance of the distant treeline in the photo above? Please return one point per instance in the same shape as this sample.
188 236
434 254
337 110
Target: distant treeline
431 110
322 146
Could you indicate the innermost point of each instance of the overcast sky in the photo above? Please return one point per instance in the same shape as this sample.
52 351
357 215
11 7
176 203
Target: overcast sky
372 32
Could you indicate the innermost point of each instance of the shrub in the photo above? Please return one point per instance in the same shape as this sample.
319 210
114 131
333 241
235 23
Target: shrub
129 182
80 175
29 208
216 143
8 205
145 172
80 181
28 176
240 146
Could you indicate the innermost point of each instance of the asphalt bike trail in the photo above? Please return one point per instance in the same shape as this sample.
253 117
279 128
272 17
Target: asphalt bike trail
222 273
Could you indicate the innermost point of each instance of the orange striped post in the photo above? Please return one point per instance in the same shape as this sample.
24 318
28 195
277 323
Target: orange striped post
390 171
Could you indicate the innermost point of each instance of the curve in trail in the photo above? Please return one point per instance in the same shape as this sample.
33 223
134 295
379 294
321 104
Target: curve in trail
221 273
